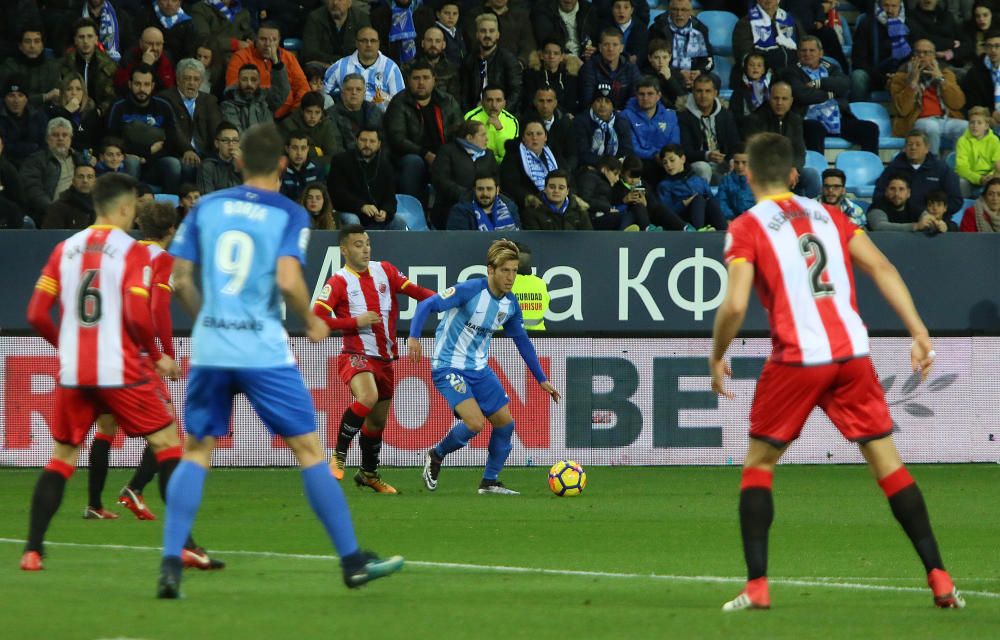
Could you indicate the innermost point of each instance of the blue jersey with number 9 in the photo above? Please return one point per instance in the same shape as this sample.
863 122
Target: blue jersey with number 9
236 236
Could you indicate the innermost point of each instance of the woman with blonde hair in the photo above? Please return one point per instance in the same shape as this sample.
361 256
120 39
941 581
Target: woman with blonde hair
76 106
316 201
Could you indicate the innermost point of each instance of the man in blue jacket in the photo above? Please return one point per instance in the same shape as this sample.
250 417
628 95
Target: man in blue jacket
924 171
487 211
653 125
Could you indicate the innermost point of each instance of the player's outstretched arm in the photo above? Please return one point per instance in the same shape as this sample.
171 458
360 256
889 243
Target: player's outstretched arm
293 289
40 312
527 350
184 286
728 320
890 284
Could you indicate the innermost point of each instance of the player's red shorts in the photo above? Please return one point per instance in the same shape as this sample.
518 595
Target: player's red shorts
849 392
139 410
351 364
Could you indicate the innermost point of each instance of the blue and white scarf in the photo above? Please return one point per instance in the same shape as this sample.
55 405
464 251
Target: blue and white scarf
767 36
499 218
604 141
538 168
689 43
108 32
759 89
169 23
995 72
230 11
474 152
558 209
897 29
402 31
826 113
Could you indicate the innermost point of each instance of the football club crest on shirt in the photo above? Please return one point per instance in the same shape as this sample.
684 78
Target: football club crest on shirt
382 288
501 317
447 293
663 126
325 293
457 382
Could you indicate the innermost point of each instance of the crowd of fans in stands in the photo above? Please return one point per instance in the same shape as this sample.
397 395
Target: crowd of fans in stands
497 114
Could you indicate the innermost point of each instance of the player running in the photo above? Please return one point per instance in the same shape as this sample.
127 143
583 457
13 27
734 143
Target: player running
475 309
360 300
101 278
798 254
250 243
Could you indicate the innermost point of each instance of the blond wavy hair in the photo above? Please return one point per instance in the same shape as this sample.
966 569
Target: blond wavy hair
501 251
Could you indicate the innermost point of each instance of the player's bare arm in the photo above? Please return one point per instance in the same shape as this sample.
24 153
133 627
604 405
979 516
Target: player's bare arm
728 320
184 286
415 350
293 290
549 389
890 284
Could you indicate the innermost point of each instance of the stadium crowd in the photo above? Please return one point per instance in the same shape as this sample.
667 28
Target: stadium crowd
502 114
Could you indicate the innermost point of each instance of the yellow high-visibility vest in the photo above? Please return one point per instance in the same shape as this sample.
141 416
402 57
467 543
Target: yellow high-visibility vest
533 297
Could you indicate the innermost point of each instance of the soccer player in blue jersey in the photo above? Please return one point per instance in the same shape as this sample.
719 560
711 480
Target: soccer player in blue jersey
250 243
475 309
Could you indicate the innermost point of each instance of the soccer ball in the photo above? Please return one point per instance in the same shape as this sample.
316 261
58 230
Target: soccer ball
567 478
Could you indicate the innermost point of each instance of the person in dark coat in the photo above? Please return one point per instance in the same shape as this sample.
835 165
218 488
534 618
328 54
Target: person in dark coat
526 163
555 208
456 167
600 132
74 208
362 185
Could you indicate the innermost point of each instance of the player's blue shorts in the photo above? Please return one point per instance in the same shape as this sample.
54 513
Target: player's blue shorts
481 385
277 394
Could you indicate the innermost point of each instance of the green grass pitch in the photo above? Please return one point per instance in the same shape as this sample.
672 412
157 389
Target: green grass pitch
644 553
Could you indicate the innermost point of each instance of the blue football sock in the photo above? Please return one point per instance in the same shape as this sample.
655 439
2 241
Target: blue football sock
327 500
499 449
184 491
457 438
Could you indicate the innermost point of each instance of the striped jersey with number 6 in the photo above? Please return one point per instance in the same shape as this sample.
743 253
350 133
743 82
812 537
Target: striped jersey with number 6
803 277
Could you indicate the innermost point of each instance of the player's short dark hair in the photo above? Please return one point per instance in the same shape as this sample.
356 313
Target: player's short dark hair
991 33
186 188
30 28
486 175
834 172
771 158
936 196
917 133
550 40
467 128
270 24
420 64
156 219
708 77
494 87
110 188
262 148
312 99
555 173
740 148
349 230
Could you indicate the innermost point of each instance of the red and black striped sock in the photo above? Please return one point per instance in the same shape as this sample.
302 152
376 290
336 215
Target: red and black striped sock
756 515
354 416
46 500
371 444
907 503
145 471
98 473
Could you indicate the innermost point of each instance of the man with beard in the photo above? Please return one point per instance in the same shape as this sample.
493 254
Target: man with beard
491 66
515 27
95 66
362 186
115 29
432 48
488 210
895 210
74 209
331 30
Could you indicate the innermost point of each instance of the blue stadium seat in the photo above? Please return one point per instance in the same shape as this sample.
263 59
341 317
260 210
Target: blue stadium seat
862 169
654 14
720 30
836 142
877 113
723 69
881 96
816 160
411 211
169 198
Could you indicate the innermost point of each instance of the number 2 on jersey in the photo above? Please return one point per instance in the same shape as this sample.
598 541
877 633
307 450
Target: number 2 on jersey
234 257
811 247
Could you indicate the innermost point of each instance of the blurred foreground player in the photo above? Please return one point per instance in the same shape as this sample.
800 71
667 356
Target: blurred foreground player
798 254
250 242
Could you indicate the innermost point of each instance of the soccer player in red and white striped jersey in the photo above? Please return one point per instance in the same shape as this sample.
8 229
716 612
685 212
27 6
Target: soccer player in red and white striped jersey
360 301
798 255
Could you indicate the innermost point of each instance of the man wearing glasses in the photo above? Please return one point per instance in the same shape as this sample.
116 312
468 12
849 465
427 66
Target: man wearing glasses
220 171
928 98
835 194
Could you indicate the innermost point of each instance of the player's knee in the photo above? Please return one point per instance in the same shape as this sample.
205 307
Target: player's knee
369 399
106 424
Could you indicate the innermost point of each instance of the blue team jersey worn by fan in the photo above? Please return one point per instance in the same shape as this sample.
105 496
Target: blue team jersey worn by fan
237 236
462 339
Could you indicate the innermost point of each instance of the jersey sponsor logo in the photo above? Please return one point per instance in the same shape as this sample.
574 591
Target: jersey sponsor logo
242 324
325 293
457 382
359 361
447 293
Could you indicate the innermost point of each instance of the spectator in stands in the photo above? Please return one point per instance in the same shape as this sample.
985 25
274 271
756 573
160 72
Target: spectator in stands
752 88
931 21
734 195
657 64
709 133
149 52
527 163
315 74
895 210
978 25
924 172
871 64
352 112
446 16
596 186
225 24
418 121
148 127
269 57
653 125
175 25
555 208
691 52
515 27
189 196
247 103
835 194
76 106
197 113
362 185
928 98
820 91
12 212
116 28
74 209
111 158
551 68
383 78
984 215
39 73
21 126
936 208
399 24
49 171
446 75
635 33
811 16
608 73
981 85
325 138
568 22
501 125
977 154
600 132
300 170
605 9
487 210
94 65
315 199
546 109
777 116
771 30
630 190
214 81
220 171
490 66
686 194
455 169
